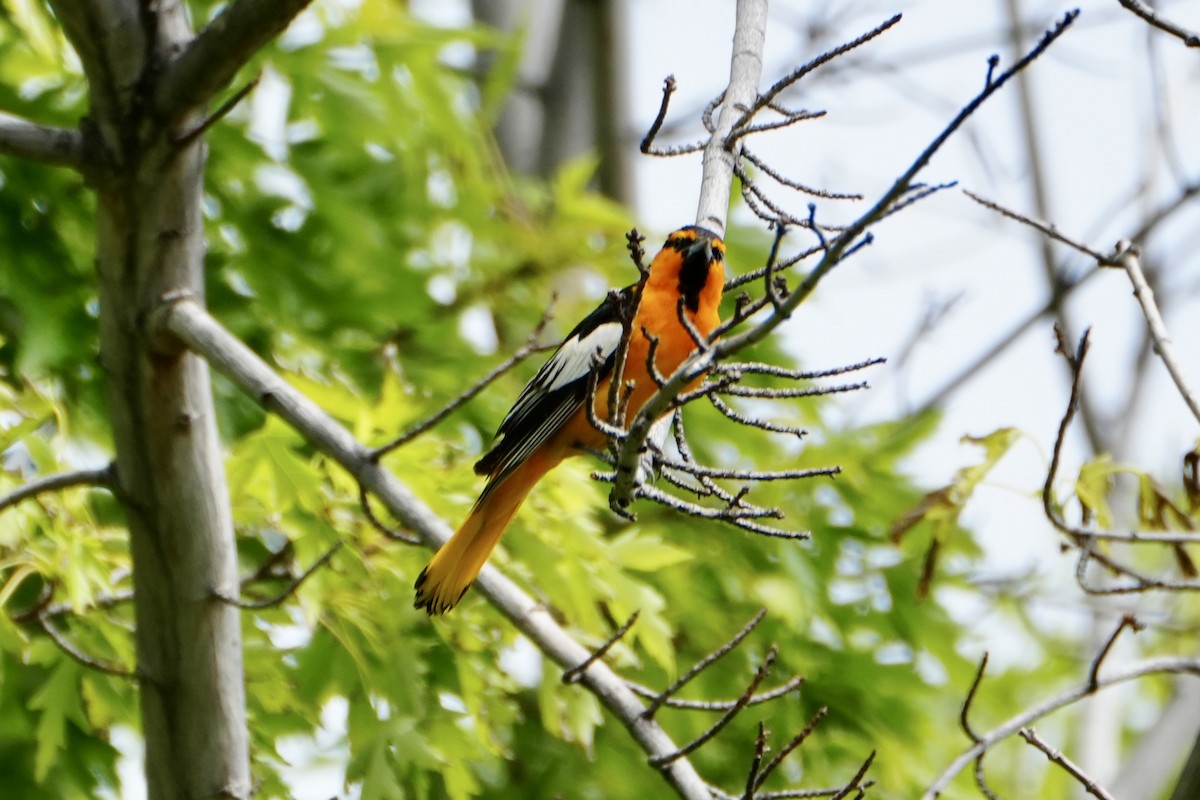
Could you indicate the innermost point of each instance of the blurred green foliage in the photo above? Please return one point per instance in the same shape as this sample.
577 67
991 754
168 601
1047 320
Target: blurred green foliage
365 238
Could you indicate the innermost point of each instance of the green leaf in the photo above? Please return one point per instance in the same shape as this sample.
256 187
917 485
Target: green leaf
58 700
634 550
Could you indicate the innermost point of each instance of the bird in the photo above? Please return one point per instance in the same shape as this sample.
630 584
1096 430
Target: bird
549 422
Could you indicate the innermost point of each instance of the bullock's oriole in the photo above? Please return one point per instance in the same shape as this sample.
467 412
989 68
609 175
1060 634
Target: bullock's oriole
549 422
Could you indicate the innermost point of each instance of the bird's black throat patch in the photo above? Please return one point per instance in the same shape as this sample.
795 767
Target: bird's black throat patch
693 275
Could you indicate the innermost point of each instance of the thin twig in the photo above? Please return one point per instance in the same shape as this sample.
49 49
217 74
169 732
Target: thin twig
1127 621
647 145
964 712
1057 757
102 478
1171 665
523 352
768 97
792 744
288 591
1128 257
1154 18
78 655
573 674
772 291
1047 228
627 308
222 111
783 180
786 688
759 675
857 779
791 118
397 535
759 368
760 749
738 517
703 664
754 422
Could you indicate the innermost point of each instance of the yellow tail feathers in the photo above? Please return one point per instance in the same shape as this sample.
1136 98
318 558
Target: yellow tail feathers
455 566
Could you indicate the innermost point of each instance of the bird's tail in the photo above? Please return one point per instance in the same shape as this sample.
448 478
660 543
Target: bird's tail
455 566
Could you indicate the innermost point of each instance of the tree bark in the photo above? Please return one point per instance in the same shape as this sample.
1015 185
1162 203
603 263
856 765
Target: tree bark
171 484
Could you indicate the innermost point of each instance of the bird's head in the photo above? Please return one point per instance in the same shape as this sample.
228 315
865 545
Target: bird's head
694 258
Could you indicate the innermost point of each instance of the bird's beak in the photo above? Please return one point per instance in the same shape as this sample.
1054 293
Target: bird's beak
700 251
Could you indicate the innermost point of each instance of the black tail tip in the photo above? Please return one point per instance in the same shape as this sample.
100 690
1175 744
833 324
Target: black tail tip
430 601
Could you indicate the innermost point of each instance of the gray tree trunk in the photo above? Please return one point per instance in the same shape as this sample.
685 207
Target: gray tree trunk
569 98
150 242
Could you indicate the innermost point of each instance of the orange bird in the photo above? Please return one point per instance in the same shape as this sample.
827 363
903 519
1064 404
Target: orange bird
549 422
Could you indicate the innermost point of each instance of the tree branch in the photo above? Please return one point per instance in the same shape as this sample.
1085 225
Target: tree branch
1057 757
205 336
720 154
1152 17
213 58
62 147
1153 666
103 478
1129 258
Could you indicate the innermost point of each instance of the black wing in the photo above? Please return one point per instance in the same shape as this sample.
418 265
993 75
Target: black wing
558 390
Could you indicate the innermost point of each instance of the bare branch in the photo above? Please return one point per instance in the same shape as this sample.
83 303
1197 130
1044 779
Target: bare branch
1057 757
759 675
213 58
288 591
627 309
523 352
62 147
768 97
721 154
760 749
759 368
1062 286
222 111
703 664
647 146
1047 228
64 644
1153 666
754 422
1127 621
856 782
783 180
364 501
103 478
1081 538
573 674
1128 256
964 713
792 744
1154 18
738 517
786 688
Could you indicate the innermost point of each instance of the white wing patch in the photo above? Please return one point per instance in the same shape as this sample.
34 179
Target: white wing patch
574 359
571 362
